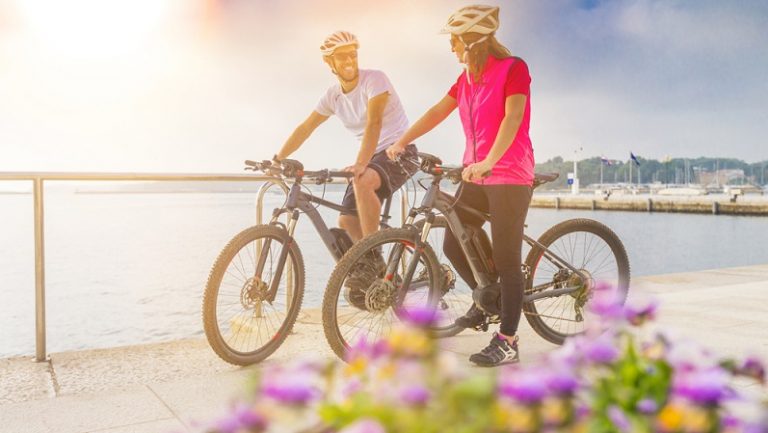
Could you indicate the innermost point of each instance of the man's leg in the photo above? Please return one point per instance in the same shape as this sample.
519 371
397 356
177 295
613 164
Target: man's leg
351 224
368 203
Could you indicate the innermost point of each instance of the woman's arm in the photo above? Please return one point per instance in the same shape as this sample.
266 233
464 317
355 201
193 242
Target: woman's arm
433 117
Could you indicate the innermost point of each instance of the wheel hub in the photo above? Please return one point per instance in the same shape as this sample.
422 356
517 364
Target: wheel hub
253 292
380 296
585 285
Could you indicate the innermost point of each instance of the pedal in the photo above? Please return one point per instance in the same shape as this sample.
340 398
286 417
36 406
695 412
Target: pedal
483 326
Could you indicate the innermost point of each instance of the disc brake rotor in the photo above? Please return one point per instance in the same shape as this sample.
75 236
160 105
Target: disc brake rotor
253 291
380 295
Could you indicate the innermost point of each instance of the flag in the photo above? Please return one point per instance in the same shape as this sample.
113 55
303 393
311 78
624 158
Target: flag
605 160
634 158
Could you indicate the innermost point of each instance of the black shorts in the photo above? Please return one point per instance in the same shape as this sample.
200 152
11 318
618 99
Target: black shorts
393 175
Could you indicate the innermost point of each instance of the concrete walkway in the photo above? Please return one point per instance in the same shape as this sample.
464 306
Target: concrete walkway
171 387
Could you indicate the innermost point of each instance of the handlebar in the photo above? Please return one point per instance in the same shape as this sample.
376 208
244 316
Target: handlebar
291 168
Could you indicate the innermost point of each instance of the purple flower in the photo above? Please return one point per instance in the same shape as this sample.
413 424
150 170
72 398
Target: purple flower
415 395
606 301
619 419
647 406
364 426
420 316
708 386
639 312
363 349
754 368
241 417
524 386
561 381
601 350
291 387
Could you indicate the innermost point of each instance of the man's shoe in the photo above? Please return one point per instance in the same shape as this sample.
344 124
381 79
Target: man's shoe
362 275
499 351
474 319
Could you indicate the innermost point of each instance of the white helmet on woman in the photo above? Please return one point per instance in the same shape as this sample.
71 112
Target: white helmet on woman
338 39
475 19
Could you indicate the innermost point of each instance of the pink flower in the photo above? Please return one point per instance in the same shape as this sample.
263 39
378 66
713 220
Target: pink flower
639 312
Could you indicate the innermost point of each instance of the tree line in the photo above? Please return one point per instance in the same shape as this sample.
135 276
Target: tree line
670 171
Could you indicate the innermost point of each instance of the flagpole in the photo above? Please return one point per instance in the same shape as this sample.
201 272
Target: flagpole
601 172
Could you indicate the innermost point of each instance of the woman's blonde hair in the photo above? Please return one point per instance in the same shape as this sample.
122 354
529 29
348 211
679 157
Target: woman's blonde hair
476 57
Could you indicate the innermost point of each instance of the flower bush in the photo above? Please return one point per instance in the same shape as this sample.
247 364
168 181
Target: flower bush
619 376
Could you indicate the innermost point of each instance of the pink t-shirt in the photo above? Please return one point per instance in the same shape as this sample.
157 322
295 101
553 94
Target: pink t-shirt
481 108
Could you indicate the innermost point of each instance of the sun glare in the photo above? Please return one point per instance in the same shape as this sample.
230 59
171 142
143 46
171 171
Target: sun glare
91 28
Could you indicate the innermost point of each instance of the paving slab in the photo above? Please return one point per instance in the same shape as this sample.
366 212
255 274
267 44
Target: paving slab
83 413
171 425
22 379
196 401
130 367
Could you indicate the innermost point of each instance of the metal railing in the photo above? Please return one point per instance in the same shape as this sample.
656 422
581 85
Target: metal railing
38 180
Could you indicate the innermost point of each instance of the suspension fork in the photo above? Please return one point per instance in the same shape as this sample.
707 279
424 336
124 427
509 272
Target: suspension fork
281 259
418 250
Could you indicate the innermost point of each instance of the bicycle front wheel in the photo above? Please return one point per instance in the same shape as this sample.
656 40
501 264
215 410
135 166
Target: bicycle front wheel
598 254
251 300
363 300
457 295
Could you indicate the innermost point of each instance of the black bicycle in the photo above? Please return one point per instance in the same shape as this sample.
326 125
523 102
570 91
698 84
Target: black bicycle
561 271
256 286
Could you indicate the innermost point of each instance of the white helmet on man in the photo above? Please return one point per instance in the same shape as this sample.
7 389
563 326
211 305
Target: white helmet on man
336 40
475 19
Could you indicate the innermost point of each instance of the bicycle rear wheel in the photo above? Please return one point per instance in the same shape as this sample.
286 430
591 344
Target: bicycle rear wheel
242 324
593 249
366 305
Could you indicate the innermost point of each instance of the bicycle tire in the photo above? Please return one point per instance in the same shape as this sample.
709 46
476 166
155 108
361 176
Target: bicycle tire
230 253
457 303
534 261
333 290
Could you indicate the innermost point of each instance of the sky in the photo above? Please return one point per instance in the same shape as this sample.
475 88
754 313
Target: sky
201 85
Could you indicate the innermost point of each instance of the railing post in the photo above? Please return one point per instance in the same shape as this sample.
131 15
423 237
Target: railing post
40 350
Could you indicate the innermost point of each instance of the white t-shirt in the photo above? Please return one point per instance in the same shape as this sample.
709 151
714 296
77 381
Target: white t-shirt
352 107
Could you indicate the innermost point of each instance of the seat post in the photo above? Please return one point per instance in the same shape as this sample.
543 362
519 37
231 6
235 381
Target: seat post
385 212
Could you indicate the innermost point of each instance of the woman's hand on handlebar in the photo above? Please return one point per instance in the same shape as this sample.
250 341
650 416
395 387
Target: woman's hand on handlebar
476 171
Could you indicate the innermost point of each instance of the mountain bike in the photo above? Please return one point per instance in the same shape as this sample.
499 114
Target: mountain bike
561 271
256 285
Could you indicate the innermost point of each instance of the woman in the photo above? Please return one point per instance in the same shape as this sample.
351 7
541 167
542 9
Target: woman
492 96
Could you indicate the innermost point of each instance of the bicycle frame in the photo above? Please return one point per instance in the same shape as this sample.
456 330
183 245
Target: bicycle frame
299 202
447 204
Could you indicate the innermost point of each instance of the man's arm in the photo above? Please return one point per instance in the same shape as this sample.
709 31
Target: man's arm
300 134
375 117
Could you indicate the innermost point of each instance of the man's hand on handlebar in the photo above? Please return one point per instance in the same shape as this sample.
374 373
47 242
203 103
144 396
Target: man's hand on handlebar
356 169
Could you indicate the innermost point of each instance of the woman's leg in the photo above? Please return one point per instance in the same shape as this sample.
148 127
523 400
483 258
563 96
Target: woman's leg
508 205
470 195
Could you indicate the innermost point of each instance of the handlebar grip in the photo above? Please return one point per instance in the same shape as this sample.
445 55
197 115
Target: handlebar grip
344 174
250 163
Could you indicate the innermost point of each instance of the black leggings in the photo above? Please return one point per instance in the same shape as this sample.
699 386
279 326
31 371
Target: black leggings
507 206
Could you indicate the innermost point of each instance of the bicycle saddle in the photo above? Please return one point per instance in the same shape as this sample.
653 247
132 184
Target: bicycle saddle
542 178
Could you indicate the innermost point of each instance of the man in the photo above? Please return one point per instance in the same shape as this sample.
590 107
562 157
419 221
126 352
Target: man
368 106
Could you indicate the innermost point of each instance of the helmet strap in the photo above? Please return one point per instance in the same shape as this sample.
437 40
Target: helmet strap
465 55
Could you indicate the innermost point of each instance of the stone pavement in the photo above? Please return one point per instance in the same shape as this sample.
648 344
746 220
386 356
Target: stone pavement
171 387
